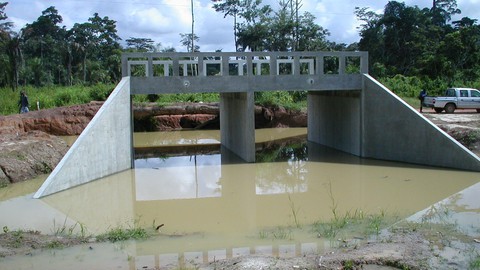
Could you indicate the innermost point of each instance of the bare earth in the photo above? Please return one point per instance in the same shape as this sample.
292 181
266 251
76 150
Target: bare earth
402 246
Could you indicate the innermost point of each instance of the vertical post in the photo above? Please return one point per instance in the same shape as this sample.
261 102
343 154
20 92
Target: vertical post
150 66
237 124
125 66
320 64
249 65
225 65
341 63
273 64
296 65
202 70
175 66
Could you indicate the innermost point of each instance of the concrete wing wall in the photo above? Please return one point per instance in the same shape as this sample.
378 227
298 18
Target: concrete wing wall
103 148
393 130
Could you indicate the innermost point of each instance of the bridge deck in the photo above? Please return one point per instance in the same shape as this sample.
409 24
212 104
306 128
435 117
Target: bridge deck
156 73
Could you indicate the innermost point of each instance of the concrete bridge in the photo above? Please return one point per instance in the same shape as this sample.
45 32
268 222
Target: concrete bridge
347 110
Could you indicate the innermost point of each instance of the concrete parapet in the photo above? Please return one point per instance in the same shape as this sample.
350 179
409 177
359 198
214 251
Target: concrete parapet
104 147
393 130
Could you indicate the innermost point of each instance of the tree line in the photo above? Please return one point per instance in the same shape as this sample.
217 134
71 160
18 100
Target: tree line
403 40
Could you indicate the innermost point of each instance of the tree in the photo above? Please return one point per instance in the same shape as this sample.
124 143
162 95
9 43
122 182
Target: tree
187 40
442 11
140 44
44 39
281 30
5 27
11 54
310 36
107 49
81 40
229 8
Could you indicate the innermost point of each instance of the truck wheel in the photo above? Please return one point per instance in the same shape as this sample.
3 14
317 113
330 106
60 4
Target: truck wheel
450 108
438 110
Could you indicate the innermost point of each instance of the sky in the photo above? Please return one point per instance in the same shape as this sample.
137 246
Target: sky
164 20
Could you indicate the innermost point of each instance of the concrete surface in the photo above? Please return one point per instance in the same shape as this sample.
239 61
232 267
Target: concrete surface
237 124
393 130
334 119
104 147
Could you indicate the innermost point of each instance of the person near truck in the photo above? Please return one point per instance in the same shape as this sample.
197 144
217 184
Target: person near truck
421 97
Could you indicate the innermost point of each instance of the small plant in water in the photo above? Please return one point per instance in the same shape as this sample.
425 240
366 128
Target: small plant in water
120 234
475 263
348 265
276 234
294 211
17 238
54 245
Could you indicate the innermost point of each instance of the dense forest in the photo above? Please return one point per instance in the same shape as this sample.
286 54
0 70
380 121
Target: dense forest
403 42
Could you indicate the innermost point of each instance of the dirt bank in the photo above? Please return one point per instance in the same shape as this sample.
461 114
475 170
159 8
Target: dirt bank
464 126
25 155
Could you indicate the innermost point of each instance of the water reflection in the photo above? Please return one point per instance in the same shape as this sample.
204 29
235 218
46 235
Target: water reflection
214 206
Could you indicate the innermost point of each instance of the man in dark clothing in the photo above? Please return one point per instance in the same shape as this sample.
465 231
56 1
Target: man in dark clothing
422 96
23 103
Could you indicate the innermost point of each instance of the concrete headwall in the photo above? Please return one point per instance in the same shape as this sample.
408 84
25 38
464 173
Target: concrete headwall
237 124
103 148
393 130
334 119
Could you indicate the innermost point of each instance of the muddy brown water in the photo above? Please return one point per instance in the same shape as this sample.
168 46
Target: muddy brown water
214 207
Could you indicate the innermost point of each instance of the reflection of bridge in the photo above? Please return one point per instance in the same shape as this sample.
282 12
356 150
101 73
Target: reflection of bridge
347 110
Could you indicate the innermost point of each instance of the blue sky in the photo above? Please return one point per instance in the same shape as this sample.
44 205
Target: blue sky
164 20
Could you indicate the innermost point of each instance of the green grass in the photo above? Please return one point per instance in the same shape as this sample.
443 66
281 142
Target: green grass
475 263
356 223
53 96
278 233
120 234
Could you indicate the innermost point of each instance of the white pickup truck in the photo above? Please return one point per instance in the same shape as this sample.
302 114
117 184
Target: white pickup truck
455 98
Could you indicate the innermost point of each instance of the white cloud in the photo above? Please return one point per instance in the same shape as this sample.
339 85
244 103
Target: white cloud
164 20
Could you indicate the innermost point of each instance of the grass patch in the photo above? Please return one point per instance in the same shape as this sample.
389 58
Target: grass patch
278 233
290 100
355 222
352 223
475 263
120 234
53 96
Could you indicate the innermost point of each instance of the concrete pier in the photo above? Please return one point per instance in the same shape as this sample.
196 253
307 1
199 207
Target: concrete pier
237 122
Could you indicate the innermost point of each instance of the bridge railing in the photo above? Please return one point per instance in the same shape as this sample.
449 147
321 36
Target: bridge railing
243 71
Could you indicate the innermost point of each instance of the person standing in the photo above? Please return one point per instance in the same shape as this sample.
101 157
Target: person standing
23 102
421 97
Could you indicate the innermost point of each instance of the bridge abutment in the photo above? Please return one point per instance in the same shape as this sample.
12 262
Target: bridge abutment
334 120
